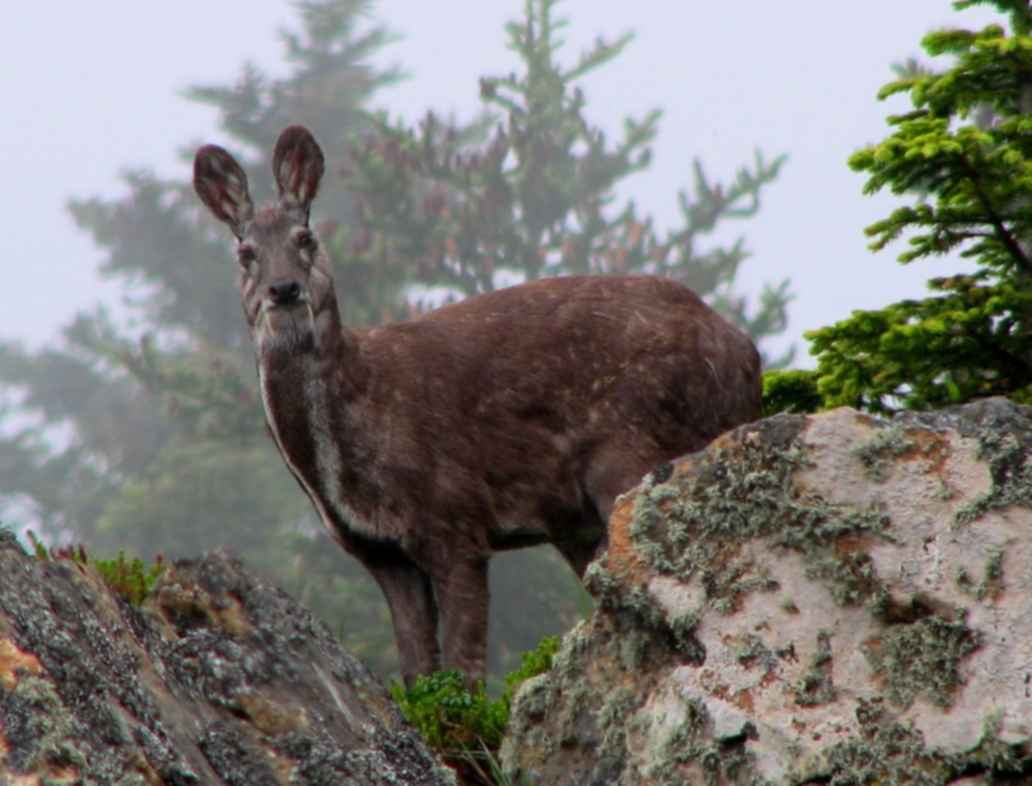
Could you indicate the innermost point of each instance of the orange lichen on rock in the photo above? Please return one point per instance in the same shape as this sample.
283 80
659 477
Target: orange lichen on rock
174 601
621 558
13 661
271 717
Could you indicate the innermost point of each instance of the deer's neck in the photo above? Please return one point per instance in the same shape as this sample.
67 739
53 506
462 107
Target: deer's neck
307 396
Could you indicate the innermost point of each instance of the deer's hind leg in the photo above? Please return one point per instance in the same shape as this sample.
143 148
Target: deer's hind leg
462 595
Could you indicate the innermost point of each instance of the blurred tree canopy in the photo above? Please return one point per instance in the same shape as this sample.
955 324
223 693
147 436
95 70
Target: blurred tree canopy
148 435
964 153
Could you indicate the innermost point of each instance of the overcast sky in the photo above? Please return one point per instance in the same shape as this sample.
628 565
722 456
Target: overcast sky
94 88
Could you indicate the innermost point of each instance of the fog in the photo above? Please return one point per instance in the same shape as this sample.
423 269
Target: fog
95 88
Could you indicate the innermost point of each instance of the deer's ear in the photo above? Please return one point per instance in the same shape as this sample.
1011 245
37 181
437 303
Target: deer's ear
222 186
297 165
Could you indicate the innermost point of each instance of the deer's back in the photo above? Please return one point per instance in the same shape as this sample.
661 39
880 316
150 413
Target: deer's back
502 402
604 350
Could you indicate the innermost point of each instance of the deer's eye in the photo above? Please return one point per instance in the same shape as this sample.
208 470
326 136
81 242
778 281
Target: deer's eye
305 239
246 255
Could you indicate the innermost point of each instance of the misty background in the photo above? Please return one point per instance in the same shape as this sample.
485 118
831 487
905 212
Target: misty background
94 89
161 448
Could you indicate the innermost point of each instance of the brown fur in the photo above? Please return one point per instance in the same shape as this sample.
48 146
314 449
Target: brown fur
508 419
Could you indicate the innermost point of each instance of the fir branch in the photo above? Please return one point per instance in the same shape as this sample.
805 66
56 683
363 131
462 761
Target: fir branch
995 219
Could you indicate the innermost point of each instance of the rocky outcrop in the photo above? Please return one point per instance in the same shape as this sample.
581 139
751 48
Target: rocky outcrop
826 599
216 679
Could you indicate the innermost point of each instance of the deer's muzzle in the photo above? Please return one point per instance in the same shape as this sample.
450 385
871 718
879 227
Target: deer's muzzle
284 292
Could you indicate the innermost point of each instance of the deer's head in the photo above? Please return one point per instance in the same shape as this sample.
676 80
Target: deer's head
286 284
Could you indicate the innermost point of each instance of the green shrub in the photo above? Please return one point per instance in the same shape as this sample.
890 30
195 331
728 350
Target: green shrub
450 716
131 578
466 726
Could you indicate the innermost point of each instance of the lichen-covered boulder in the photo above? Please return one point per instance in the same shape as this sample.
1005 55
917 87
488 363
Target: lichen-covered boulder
834 599
217 679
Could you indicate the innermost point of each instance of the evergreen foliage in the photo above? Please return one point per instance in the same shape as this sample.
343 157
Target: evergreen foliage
147 435
964 153
790 390
468 209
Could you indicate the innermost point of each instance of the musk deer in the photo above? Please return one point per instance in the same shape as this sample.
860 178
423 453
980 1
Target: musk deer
506 420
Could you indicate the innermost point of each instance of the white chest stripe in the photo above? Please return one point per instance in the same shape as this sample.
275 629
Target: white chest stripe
327 455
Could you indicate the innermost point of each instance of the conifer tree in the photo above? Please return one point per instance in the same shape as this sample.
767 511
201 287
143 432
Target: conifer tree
964 154
164 447
468 209
150 437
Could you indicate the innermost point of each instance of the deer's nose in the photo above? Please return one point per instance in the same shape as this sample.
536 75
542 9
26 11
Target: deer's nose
284 292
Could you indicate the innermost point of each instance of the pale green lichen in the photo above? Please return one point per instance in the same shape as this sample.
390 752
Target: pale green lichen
877 454
731 588
995 755
816 687
991 584
850 576
1010 471
641 606
887 752
692 746
922 658
944 491
633 650
612 722
41 728
750 650
745 492
577 702
883 752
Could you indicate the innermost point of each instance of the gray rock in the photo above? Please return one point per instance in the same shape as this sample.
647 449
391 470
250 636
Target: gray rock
834 598
217 678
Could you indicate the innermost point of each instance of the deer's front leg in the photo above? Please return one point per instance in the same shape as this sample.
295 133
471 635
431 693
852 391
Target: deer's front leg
462 596
413 611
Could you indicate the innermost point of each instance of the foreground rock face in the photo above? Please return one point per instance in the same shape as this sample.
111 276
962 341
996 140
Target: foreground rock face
832 598
217 679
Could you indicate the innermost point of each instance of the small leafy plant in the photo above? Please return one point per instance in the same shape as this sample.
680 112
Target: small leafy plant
131 578
450 716
466 726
